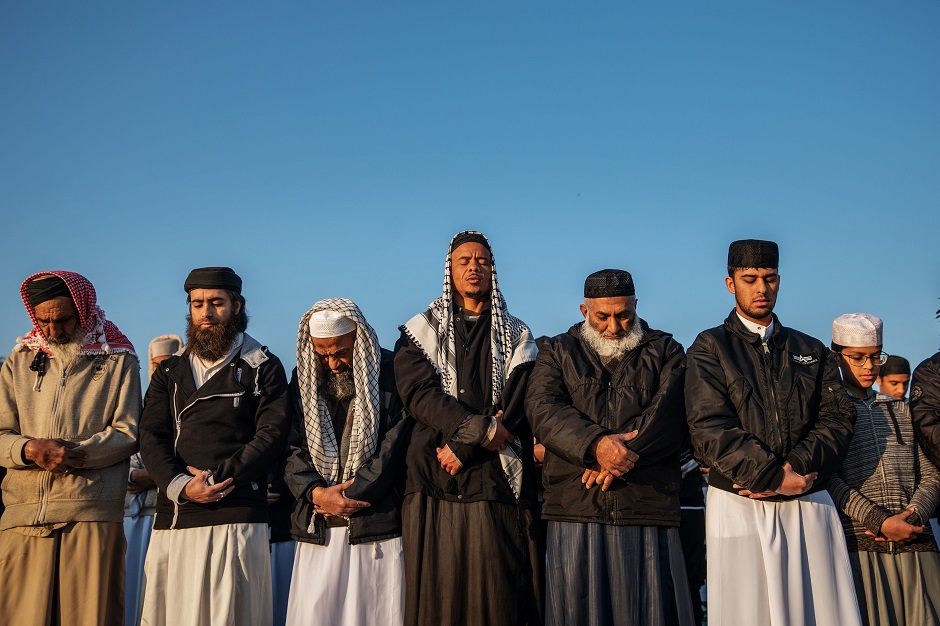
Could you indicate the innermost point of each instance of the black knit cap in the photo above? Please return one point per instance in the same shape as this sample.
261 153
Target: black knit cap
46 288
469 236
895 365
609 284
213 278
753 253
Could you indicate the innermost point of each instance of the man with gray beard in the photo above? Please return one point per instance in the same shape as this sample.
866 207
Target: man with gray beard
69 406
606 399
348 567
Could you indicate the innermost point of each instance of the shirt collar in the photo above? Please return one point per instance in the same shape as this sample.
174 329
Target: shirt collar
754 327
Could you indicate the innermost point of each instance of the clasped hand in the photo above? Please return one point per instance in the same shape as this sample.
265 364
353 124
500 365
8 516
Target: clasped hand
896 528
201 490
54 455
793 485
614 459
333 500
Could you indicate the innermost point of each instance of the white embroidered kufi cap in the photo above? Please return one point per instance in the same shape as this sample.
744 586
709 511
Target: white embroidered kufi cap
327 324
856 330
164 346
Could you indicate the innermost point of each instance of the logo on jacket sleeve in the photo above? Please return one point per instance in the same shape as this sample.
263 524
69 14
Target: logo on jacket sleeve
804 359
916 392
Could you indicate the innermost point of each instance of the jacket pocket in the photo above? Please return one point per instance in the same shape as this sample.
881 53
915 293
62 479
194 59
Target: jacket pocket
80 485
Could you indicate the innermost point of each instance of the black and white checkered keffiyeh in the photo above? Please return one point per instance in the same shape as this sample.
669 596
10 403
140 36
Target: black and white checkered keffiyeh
364 414
511 341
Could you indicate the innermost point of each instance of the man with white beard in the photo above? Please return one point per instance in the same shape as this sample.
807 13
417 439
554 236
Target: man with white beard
606 399
69 407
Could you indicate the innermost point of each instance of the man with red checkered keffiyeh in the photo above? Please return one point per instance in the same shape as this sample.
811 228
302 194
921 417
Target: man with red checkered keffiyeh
69 407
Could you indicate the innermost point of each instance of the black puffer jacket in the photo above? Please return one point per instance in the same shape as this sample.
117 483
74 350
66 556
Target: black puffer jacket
925 406
379 481
750 410
573 399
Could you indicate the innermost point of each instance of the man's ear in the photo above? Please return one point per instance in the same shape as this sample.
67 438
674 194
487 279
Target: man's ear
238 307
729 283
584 310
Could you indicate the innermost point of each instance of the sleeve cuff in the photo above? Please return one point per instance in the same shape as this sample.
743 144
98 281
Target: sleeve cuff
175 489
16 452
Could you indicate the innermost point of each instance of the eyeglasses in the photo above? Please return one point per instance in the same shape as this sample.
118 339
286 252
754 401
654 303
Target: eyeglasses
858 360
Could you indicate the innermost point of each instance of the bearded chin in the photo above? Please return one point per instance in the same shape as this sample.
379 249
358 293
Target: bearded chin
213 343
67 352
609 349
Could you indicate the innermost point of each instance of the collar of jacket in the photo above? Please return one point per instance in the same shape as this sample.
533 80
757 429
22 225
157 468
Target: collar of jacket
252 353
734 325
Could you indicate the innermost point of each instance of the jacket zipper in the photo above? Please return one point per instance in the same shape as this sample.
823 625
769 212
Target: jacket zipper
47 478
610 422
178 418
768 370
884 476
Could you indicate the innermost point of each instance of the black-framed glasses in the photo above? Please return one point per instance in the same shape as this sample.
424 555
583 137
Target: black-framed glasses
858 360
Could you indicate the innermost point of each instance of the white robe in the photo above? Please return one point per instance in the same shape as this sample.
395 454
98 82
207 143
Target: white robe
211 576
777 563
343 585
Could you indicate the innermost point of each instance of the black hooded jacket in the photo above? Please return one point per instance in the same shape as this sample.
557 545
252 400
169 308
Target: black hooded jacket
573 399
752 409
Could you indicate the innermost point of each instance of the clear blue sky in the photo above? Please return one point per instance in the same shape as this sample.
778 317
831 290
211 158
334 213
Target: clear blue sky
332 149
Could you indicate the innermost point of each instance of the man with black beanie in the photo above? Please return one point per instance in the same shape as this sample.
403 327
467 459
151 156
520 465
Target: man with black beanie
769 416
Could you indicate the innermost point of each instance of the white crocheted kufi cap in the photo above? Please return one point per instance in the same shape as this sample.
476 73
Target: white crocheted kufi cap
163 347
327 324
857 330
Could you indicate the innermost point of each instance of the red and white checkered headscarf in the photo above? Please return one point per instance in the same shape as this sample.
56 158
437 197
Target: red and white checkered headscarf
101 336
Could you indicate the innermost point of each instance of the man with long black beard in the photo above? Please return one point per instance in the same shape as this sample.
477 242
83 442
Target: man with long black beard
215 420
69 406
471 555
606 400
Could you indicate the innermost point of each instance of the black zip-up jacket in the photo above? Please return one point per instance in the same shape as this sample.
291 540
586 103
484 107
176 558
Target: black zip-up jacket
236 425
379 481
751 409
573 399
925 406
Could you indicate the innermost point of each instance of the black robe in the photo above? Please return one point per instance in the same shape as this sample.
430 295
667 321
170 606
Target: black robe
471 550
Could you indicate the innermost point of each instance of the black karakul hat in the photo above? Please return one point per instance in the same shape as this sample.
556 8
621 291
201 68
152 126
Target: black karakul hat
753 253
213 278
895 365
46 288
609 284
469 236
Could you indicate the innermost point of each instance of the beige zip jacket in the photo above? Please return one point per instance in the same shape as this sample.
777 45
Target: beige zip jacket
96 403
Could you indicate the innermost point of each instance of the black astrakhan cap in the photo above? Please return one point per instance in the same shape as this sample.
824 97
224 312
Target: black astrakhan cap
213 278
609 284
753 253
895 365
46 288
469 236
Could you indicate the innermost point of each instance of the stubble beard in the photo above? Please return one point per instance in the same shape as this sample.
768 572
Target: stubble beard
609 349
213 343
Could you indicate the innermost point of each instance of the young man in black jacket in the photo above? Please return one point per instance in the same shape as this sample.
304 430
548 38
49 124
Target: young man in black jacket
606 400
215 421
769 416
348 568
